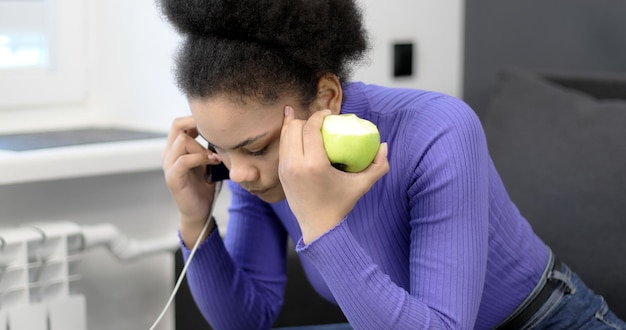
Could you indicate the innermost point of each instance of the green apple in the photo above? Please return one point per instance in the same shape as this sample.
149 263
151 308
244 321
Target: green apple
351 143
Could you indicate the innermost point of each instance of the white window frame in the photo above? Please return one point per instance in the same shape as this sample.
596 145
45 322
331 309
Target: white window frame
64 80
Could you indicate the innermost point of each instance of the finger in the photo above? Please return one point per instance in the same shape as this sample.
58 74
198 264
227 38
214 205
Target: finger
291 138
187 162
178 172
180 125
183 144
312 141
287 119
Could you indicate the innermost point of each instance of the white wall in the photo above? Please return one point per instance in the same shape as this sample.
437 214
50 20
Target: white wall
129 82
135 47
436 30
130 52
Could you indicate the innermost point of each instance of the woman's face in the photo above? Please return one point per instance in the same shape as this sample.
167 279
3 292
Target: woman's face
246 136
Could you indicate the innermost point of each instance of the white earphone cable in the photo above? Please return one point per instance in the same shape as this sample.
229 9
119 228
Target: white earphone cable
218 189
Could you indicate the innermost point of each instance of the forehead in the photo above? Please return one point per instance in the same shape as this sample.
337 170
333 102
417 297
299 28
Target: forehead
224 121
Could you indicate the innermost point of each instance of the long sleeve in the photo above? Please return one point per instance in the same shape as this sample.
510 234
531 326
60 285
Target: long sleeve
238 283
435 216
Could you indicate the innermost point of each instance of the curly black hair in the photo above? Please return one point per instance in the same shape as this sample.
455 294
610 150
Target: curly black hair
261 48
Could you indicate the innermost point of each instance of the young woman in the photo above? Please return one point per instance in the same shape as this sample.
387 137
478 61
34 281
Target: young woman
425 238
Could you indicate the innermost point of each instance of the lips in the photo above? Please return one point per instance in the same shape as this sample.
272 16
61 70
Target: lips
258 191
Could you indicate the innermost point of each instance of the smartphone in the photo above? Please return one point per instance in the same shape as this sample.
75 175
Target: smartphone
215 173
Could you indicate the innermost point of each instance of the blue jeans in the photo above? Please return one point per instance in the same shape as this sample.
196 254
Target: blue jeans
573 306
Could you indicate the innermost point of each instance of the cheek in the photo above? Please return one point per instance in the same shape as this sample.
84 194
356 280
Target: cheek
268 167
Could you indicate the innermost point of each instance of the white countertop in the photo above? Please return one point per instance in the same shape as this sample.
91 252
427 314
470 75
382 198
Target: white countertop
81 161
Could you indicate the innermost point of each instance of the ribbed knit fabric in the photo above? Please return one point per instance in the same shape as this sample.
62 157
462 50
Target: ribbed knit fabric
435 244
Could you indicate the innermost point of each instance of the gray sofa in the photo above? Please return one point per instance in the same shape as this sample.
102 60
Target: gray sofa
558 139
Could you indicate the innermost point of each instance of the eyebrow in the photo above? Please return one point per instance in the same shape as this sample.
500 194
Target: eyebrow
240 144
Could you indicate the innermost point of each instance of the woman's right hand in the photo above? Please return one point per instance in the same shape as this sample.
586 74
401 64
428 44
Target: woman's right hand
184 166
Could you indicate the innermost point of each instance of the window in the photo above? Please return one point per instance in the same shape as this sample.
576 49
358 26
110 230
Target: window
28 50
42 52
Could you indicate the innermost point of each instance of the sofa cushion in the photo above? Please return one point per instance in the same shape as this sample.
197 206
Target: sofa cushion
561 154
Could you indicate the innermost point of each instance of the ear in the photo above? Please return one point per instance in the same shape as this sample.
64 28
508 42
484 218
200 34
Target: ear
329 94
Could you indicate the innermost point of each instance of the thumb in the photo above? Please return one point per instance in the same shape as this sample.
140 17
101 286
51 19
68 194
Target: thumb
380 164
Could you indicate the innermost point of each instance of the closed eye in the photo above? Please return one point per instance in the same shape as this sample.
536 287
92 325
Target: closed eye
259 152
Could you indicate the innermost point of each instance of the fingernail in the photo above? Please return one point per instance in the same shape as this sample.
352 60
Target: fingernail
287 110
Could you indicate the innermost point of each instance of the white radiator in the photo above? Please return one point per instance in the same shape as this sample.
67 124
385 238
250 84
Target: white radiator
38 271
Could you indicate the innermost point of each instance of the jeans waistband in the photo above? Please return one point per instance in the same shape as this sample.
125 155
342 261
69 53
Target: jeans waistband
538 296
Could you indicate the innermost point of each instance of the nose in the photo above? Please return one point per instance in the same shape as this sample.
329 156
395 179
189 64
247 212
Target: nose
242 171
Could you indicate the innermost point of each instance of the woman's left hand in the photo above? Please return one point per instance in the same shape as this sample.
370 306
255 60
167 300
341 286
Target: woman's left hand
318 194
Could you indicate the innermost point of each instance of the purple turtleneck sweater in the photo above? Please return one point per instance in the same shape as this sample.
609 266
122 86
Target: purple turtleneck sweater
435 244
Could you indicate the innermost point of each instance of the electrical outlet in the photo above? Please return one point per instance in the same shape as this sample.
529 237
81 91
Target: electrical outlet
402 59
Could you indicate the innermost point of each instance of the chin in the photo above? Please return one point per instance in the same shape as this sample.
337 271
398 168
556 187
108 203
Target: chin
273 196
